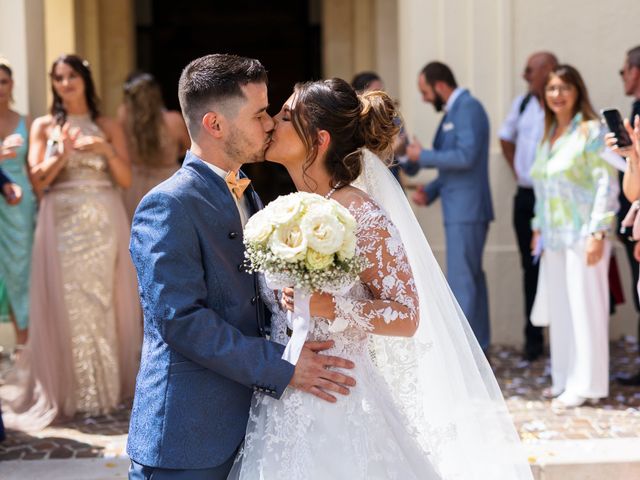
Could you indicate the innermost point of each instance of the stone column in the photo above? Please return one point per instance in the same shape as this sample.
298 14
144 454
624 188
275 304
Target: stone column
22 43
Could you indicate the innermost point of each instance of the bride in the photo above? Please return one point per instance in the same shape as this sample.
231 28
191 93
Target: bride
426 404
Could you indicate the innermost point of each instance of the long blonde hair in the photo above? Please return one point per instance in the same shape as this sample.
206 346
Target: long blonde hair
145 119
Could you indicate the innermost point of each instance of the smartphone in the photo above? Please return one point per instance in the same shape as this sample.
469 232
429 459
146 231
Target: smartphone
616 126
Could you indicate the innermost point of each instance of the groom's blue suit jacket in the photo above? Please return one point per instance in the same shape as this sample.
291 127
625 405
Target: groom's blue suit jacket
204 351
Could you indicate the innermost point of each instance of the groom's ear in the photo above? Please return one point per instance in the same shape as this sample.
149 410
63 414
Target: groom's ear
212 123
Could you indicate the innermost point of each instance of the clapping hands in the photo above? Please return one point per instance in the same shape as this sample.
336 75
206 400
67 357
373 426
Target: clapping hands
414 149
10 145
12 193
67 138
94 144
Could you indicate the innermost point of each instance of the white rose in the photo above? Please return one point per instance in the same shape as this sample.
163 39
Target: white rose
258 228
311 200
284 209
348 248
345 217
322 228
317 261
288 242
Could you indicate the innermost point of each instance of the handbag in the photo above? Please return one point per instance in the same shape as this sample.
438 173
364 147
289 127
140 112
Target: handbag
540 311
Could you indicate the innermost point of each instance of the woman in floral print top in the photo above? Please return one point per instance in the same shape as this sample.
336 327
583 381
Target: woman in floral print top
576 202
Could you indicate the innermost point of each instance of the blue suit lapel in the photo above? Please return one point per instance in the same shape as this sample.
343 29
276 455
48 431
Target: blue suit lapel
451 114
215 188
195 164
255 204
436 139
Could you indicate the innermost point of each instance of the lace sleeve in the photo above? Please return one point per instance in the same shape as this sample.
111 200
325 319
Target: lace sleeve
388 277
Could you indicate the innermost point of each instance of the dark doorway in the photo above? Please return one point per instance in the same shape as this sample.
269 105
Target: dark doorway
285 36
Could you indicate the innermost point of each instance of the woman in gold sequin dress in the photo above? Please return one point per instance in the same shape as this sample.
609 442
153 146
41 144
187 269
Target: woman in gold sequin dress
85 333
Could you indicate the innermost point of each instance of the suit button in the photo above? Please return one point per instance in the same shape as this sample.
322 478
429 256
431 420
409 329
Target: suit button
254 300
233 235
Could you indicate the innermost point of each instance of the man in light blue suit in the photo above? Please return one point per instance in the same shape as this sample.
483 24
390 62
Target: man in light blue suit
204 351
461 155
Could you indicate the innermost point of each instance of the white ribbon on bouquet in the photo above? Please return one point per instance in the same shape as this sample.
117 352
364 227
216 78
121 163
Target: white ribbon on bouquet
299 321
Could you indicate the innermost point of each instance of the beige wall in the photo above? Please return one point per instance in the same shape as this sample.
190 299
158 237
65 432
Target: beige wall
35 32
486 43
21 42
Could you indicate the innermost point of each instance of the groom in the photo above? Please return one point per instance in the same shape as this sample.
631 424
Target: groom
204 351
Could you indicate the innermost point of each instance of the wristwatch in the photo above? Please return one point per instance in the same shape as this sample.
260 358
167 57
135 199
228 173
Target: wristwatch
599 235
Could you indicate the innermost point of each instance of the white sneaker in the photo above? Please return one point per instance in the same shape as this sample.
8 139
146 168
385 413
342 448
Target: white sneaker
551 392
569 400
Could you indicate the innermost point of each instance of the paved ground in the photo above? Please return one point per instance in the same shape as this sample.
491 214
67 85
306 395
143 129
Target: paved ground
522 383
617 417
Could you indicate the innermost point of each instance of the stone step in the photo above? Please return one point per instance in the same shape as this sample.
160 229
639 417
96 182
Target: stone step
601 459
71 469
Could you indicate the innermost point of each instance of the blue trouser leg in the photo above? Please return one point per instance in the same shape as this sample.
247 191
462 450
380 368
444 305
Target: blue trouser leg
465 246
142 472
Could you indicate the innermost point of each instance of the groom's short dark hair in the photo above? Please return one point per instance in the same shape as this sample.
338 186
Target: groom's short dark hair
209 81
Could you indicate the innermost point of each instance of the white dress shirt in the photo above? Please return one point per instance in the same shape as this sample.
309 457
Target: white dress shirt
453 97
243 208
525 130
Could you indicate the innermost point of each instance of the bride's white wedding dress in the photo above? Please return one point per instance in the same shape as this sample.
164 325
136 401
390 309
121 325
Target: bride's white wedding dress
426 407
364 435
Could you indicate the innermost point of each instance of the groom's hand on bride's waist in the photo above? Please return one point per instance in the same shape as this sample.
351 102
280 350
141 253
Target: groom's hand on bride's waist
314 372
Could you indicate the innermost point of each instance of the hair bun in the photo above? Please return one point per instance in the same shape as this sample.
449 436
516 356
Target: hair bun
379 123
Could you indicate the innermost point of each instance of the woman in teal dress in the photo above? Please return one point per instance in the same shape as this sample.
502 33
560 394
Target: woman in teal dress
17 222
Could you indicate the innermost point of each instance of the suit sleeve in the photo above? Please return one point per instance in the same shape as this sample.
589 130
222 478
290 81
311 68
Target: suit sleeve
467 131
410 168
432 189
166 253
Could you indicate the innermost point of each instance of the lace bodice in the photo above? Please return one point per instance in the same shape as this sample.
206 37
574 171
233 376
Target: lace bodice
84 166
386 291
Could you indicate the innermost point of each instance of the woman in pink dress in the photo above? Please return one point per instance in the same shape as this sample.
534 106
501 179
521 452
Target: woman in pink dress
85 333
156 137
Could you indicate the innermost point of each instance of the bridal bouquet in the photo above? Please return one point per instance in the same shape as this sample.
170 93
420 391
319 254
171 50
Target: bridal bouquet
307 242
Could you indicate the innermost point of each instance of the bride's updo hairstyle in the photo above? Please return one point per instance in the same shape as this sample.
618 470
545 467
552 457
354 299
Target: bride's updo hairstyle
353 121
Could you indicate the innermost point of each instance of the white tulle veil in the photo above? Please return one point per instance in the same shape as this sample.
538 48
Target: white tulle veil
440 377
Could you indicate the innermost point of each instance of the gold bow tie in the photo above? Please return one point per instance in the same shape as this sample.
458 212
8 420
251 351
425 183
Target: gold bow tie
237 186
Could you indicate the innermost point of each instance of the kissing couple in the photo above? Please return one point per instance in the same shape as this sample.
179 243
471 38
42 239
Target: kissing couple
401 391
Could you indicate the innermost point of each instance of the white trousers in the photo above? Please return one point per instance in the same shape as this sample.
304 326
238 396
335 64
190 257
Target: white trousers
578 309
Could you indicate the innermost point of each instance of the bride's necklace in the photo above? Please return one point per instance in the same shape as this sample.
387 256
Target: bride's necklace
332 191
